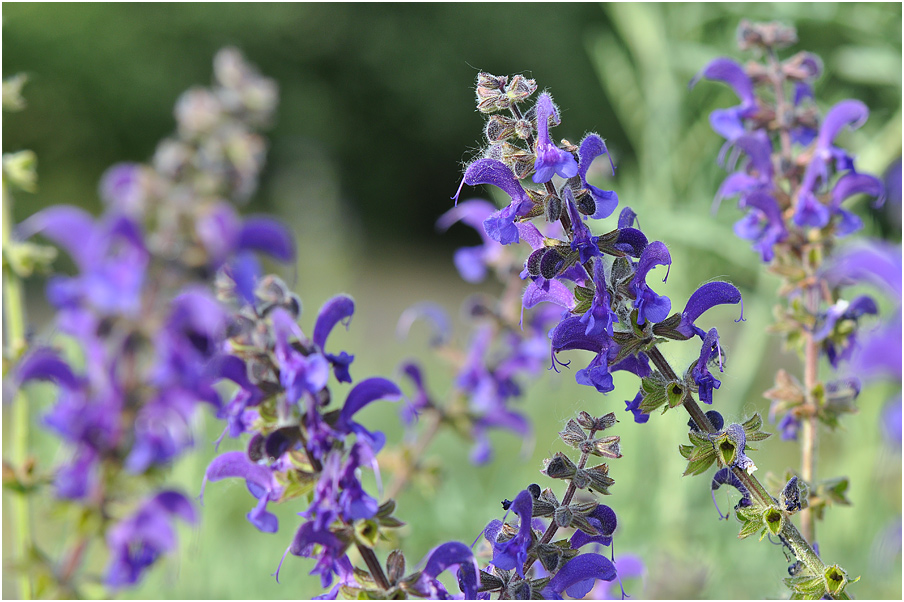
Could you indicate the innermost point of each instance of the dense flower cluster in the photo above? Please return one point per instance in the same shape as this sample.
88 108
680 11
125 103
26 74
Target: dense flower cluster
139 309
792 181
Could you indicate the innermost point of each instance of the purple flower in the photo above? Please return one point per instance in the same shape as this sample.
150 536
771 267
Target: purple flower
312 541
500 226
259 480
420 400
724 476
763 225
550 158
809 211
600 317
583 241
633 406
592 146
789 427
891 422
728 123
579 575
338 309
842 310
123 187
758 171
472 262
138 541
162 430
704 298
298 374
362 394
604 521
572 334
627 566
847 186
512 554
650 306
705 381
442 558
227 239
110 255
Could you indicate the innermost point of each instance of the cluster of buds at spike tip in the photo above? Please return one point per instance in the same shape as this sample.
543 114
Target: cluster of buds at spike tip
587 443
516 548
497 93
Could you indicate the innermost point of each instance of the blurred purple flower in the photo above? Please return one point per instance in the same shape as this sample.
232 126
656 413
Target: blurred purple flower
138 541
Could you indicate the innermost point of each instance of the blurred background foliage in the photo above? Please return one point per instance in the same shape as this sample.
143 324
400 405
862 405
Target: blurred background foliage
375 121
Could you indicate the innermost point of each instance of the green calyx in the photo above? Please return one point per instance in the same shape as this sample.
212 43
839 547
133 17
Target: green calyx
727 449
832 581
774 520
700 455
675 392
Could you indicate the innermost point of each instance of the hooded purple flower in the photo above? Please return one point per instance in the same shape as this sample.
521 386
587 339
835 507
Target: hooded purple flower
604 521
229 239
757 173
572 334
109 253
842 310
445 557
650 306
338 309
600 317
764 224
583 240
704 298
592 146
512 554
500 226
138 541
362 394
809 211
633 406
706 382
298 374
550 158
848 185
313 542
728 123
259 480
579 575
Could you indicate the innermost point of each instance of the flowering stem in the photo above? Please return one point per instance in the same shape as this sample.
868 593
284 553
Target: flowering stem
569 495
14 322
799 545
373 564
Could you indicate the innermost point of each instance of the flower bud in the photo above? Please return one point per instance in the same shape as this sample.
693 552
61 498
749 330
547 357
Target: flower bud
520 88
499 128
559 466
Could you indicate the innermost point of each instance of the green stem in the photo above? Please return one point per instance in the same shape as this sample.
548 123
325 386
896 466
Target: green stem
799 545
14 323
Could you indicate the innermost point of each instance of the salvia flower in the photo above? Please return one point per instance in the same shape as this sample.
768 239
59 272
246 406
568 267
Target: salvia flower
138 541
550 158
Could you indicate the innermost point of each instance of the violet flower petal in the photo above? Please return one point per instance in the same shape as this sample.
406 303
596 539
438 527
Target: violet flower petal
704 298
267 236
578 576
